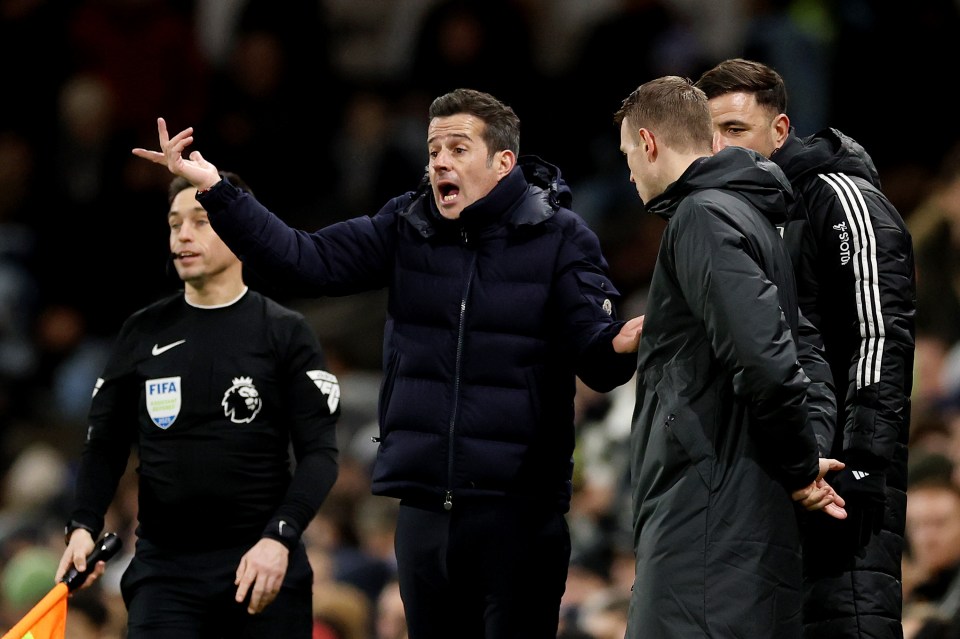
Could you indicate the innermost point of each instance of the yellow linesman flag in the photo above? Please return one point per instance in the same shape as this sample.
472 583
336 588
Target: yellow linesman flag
46 620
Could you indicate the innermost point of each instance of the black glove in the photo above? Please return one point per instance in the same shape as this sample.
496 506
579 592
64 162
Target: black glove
865 494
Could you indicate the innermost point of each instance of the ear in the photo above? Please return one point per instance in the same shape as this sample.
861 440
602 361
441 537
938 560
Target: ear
648 142
781 128
504 160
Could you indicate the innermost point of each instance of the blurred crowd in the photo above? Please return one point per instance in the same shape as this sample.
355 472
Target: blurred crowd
321 105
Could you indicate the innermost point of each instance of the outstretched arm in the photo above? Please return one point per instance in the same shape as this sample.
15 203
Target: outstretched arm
195 169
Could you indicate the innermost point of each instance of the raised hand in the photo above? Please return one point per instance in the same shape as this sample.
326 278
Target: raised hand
194 168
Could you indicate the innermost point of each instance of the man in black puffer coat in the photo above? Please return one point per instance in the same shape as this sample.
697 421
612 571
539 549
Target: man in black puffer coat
855 278
498 298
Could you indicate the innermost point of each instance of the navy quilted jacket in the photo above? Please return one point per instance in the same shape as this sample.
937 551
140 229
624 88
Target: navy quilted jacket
489 320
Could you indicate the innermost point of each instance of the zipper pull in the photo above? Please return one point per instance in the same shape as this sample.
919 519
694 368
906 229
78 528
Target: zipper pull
448 501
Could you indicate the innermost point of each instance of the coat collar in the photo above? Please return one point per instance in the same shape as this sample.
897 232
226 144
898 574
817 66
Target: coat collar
530 194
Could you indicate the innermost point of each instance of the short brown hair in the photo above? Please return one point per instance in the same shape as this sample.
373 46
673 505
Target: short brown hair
674 110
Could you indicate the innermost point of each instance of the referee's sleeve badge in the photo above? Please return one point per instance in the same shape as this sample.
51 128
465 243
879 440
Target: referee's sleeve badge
329 385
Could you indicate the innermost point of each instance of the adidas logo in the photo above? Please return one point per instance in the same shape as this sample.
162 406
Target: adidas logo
859 474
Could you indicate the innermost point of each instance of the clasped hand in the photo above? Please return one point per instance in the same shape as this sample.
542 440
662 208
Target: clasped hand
819 495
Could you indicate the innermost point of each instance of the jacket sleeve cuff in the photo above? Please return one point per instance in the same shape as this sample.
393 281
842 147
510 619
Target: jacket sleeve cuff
73 524
218 195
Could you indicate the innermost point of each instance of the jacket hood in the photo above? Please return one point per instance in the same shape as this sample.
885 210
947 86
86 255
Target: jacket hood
754 178
827 151
532 180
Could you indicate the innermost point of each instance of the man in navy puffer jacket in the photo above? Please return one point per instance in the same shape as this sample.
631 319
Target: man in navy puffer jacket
499 296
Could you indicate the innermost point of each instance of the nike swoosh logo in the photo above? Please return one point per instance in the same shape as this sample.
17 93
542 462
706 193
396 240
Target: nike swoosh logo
157 349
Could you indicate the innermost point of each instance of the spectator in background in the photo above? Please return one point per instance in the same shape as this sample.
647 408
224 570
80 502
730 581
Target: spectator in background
935 225
668 45
124 58
861 62
374 157
796 38
146 52
89 181
277 62
457 39
25 26
933 534
34 487
19 293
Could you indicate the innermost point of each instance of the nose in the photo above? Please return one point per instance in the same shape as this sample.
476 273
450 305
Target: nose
183 233
440 161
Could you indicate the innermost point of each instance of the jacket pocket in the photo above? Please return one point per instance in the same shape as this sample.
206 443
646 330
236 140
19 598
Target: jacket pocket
683 425
386 392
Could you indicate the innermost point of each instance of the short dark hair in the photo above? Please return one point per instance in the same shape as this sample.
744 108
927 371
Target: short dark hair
673 109
179 183
738 75
502 130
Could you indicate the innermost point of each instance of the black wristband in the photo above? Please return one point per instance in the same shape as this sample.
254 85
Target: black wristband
281 530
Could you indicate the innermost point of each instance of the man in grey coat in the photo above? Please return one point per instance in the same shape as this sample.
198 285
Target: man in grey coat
723 453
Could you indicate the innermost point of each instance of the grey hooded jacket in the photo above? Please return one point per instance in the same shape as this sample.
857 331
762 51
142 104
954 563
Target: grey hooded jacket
720 435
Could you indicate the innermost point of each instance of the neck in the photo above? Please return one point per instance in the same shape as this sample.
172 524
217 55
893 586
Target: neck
677 164
214 293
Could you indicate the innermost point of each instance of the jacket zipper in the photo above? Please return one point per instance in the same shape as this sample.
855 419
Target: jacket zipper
448 496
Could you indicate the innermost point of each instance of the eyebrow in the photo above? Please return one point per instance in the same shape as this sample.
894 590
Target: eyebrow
729 121
195 209
460 136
